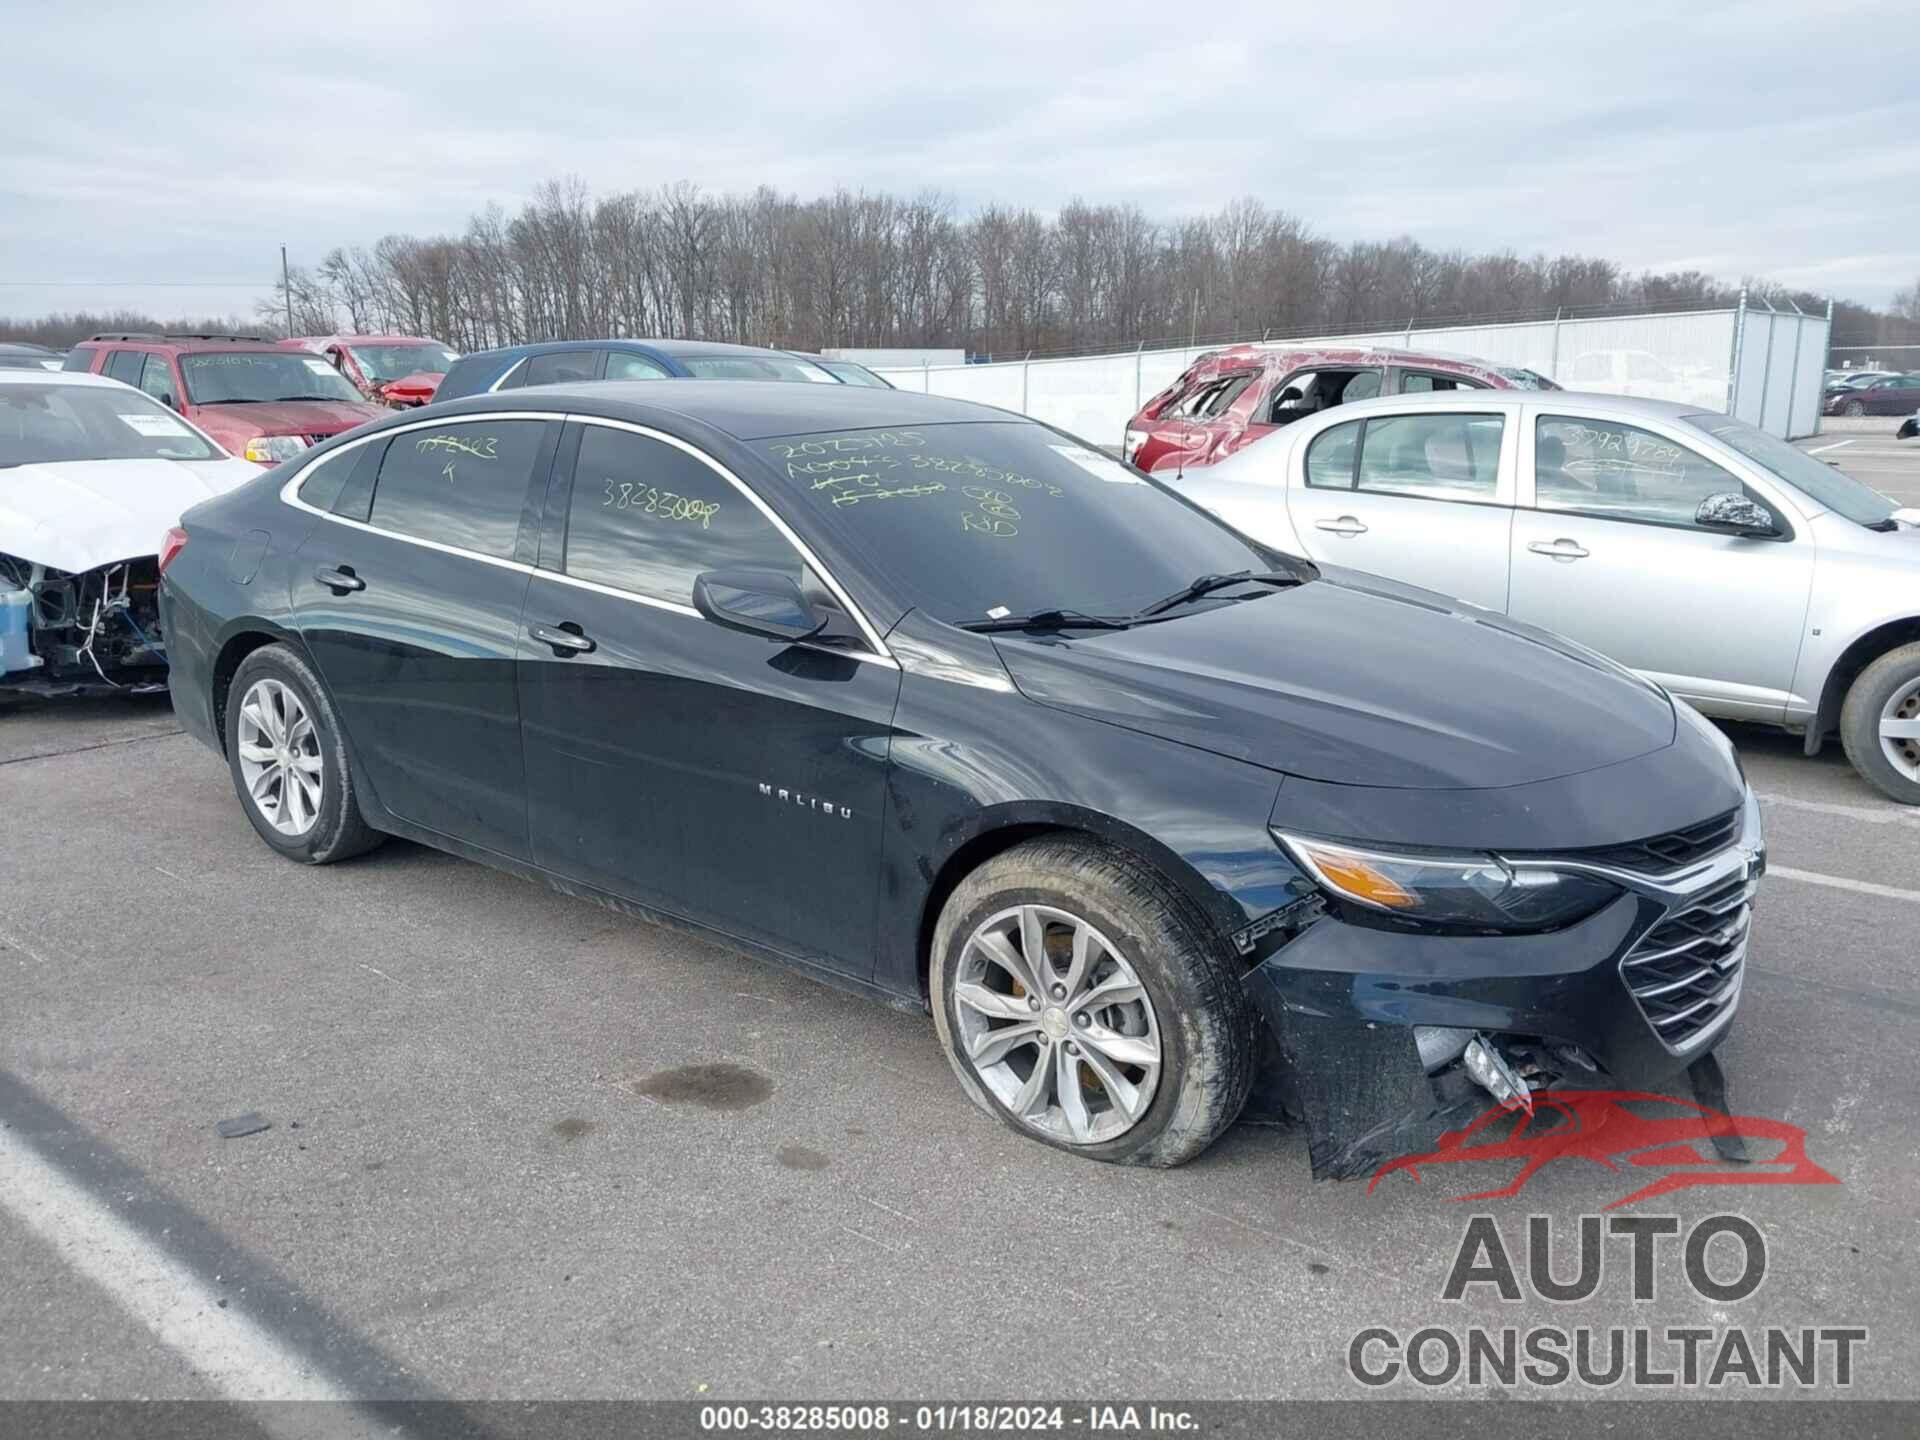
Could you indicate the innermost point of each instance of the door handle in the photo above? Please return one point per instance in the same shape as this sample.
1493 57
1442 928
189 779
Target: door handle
1344 525
565 638
341 581
1561 549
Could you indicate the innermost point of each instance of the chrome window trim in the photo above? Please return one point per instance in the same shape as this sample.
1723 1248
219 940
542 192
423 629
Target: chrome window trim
505 373
290 495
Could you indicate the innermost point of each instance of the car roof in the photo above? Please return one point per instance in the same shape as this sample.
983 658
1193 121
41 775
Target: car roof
24 347
1624 406
361 340
189 344
740 409
1274 356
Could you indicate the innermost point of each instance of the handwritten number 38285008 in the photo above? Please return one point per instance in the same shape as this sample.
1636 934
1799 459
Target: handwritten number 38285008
626 495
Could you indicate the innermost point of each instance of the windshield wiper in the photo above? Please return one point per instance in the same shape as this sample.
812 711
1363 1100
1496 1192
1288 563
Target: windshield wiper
1207 584
1886 526
1045 620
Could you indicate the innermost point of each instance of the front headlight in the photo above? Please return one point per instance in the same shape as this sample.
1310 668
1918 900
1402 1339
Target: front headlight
272 449
1479 891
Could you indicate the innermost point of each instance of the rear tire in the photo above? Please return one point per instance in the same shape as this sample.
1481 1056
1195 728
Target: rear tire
1886 692
288 759
1160 1061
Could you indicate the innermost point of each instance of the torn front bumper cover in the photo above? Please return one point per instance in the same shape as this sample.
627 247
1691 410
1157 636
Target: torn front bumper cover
95 632
1368 1025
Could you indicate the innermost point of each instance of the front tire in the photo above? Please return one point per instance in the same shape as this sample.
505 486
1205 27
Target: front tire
1130 1040
1855 409
288 758
1880 724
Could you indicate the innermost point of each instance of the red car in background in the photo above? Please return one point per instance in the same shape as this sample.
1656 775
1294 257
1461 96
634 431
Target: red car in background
398 371
1227 399
259 399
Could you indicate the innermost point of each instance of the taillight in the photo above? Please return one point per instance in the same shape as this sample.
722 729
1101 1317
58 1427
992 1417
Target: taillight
172 545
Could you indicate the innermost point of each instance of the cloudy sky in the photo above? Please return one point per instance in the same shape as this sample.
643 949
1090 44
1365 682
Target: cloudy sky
183 144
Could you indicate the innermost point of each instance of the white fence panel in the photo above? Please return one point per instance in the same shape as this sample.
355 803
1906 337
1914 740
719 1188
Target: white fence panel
1091 396
1687 358
1809 377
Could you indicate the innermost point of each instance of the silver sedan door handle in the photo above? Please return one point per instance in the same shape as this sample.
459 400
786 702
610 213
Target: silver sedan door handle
1561 549
1344 525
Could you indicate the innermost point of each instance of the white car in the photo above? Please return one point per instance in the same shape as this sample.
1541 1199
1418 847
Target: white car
1741 574
93 473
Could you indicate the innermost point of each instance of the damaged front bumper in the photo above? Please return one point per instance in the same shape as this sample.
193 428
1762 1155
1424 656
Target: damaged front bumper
1369 1025
95 632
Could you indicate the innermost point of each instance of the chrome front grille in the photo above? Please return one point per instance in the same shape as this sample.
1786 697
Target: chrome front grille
1685 972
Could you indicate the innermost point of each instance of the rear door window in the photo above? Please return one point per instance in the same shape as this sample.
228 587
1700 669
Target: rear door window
1438 457
463 485
625 365
125 365
561 366
647 517
1308 392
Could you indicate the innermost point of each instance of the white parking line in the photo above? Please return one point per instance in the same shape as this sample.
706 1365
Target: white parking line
1822 449
1866 814
232 1354
1839 882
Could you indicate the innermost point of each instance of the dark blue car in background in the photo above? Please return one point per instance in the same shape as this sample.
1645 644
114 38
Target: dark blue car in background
557 362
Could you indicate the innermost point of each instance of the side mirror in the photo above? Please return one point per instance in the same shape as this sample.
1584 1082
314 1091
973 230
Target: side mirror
1736 514
760 602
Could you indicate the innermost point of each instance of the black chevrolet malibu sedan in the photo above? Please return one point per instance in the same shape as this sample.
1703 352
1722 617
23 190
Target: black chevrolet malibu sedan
935 703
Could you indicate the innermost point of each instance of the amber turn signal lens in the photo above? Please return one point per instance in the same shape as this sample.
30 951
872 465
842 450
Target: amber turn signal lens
1349 874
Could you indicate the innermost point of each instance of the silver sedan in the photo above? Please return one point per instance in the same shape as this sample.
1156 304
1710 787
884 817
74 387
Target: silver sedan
1743 575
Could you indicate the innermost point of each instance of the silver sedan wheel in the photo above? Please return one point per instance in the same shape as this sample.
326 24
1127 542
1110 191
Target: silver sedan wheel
280 757
1900 730
1057 1025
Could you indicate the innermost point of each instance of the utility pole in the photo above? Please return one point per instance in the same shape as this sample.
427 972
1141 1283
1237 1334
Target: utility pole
286 289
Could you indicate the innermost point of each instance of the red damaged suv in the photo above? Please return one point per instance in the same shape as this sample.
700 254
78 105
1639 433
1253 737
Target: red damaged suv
399 371
262 401
1227 399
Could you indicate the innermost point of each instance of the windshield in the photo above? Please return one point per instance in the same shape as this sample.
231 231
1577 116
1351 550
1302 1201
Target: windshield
852 374
756 367
986 519
56 424
261 375
1815 478
381 363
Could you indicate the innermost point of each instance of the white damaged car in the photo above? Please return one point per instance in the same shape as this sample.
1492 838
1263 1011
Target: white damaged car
93 473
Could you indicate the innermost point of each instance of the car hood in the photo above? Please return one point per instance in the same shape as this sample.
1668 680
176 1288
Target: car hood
79 515
287 417
1357 681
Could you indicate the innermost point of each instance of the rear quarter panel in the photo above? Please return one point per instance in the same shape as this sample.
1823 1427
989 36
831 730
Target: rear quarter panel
228 584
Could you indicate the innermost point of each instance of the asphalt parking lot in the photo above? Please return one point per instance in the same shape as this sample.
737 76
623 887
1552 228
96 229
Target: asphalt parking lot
476 1183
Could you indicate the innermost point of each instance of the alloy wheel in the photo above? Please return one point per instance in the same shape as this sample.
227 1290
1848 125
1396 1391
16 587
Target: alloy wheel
1054 1021
1856 409
279 754
1900 730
